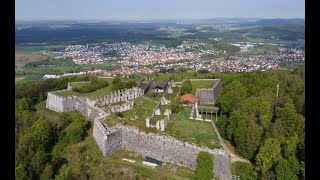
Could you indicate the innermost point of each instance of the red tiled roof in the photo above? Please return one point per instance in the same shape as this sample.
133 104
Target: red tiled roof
190 98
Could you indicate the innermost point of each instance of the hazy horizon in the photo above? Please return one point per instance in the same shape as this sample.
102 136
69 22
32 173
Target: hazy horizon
146 19
157 10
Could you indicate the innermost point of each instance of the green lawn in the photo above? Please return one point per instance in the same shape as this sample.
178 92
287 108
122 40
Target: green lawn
87 154
26 78
192 131
202 84
80 85
142 108
100 92
174 93
157 118
37 48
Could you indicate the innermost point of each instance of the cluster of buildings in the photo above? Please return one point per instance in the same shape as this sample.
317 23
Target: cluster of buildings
147 59
133 54
243 64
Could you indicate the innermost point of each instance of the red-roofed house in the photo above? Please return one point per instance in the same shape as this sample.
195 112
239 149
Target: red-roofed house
189 99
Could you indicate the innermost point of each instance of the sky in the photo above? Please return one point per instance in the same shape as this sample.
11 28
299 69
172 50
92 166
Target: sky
156 9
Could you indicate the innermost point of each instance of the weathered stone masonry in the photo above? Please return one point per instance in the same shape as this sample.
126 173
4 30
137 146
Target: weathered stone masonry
109 140
164 148
209 95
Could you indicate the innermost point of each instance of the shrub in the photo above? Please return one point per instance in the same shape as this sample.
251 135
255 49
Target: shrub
204 170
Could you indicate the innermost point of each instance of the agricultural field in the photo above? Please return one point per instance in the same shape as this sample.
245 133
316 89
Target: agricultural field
38 48
26 78
22 58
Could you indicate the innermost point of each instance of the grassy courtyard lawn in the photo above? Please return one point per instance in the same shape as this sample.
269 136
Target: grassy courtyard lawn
87 154
142 108
80 84
202 84
174 93
192 131
157 118
156 98
100 92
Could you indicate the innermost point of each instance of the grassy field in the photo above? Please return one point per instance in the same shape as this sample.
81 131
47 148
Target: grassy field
88 155
202 84
156 98
174 93
142 108
100 92
25 78
37 48
80 85
192 131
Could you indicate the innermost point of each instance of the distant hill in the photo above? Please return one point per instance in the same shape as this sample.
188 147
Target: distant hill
272 22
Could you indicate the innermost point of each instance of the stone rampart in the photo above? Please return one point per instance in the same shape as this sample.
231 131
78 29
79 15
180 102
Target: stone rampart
89 111
209 95
116 96
60 103
160 147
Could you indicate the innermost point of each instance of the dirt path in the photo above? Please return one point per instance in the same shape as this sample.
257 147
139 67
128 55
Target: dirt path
228 147
149 99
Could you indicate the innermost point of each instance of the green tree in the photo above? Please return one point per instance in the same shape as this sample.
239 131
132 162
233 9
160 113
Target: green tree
269 154
21 172
77 129
186 87
283 171
175 105
244 170
233 95
262 109
43 133
23 104
288 117
47 173
247 136
289 146
38 161
181 70
204 170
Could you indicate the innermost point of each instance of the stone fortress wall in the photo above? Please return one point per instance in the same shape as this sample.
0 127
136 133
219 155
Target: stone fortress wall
71 103
88 106
160 124
160 147
209 95
109 140
61 104
116 96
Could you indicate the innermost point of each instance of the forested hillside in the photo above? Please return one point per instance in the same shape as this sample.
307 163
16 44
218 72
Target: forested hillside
266 129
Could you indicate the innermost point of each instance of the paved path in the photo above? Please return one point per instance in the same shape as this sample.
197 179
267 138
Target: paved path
233 157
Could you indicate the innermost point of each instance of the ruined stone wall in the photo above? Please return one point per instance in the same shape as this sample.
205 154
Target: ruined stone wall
160 147
61 104
216 89
163 148
89 111
209 95
113 141
100 136
116 96
205 96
